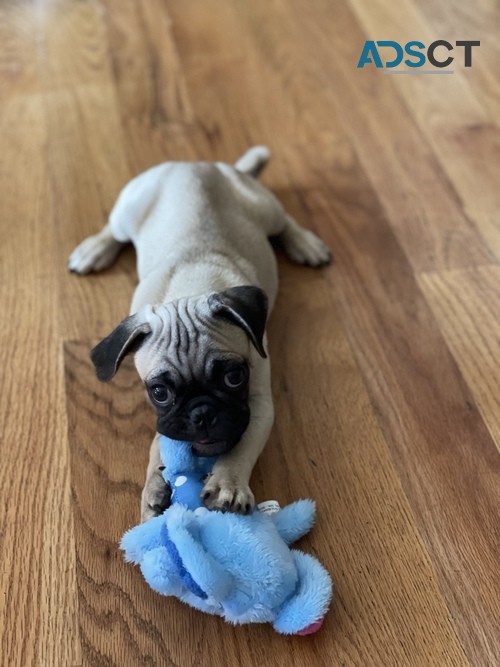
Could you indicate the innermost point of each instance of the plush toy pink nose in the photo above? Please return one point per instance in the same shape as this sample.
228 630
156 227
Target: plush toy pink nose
314 627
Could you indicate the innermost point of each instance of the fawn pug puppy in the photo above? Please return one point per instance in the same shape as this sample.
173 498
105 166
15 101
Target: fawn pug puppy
207 280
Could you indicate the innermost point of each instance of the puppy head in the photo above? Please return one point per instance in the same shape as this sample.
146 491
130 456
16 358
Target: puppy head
194 357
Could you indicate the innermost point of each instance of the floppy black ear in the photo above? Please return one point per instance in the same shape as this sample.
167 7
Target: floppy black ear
246 307
109 353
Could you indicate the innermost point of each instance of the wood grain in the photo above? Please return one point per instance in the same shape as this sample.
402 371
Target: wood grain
466 305
384 365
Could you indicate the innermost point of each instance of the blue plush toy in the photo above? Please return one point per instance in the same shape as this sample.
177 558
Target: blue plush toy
239 567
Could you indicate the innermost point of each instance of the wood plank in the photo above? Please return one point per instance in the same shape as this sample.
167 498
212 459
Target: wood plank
85 181
38 612
456 18
466 305
87 160
141 44
153 102
326 443
213 71
75 49
18 53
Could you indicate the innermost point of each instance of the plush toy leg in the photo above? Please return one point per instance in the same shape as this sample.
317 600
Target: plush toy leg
295 520
304 611
210 576
141 539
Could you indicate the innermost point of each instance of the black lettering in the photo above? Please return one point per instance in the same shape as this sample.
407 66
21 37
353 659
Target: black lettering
431 49
468 44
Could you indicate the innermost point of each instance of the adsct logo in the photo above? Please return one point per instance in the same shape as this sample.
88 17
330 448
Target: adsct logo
387 55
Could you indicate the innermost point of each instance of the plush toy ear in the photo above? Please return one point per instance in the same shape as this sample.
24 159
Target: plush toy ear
109 353
245 306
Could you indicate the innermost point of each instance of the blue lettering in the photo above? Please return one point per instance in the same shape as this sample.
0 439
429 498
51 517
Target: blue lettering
399 52
412 52
369 55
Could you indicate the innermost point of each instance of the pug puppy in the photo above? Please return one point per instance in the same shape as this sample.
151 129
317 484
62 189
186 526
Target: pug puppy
207 281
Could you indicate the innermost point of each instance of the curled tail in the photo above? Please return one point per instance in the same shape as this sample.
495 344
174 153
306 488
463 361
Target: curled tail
253 161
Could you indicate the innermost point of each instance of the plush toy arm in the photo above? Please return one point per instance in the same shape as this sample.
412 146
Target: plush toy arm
305 610
295 520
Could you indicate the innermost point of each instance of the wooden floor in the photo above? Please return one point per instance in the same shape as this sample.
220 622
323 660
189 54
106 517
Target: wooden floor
386 364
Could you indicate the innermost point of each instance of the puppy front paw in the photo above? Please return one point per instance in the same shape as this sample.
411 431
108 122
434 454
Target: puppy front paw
304 247
227 495
95 253
155 497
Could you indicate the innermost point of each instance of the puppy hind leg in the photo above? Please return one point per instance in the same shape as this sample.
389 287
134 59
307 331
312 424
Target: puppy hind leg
303 246
95 253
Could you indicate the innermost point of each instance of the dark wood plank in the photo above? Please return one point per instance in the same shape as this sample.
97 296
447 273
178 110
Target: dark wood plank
439 442
154 105
466 304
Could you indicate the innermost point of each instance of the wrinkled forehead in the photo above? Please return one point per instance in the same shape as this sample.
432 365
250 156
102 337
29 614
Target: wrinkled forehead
187 338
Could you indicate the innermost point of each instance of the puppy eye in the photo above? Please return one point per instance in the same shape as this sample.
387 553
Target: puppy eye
161 394
235 377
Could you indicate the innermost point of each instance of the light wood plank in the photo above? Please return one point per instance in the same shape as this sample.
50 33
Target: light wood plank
87 171
87 159
146 65
466 305
213 71
463 20
38 610
18 52
74 45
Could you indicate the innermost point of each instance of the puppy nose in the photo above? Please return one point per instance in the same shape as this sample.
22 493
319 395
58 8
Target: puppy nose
203 415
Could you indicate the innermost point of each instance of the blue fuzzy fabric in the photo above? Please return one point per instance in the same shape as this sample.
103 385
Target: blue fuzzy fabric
239 567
